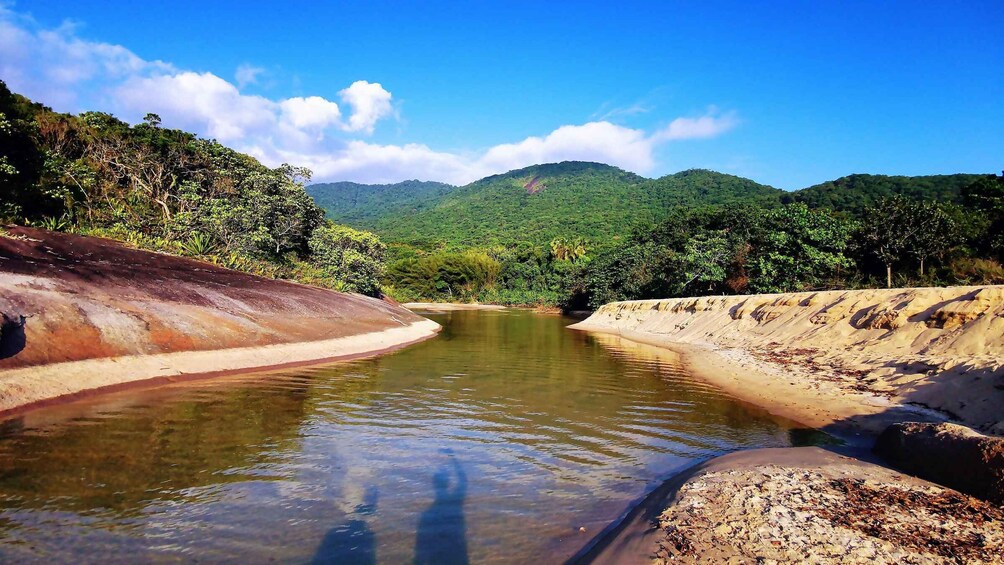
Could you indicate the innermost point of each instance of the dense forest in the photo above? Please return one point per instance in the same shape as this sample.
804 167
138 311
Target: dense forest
573 234
535 204
167 190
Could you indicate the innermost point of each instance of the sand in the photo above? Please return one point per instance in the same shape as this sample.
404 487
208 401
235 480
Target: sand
804 505
849 362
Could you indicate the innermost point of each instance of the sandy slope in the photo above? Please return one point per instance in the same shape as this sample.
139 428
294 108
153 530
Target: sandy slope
804 505
852 360
98 314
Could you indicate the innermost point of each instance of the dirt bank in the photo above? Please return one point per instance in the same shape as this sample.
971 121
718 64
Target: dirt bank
82 313
850 362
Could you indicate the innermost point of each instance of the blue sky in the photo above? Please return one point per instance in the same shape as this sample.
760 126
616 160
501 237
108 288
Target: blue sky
789 94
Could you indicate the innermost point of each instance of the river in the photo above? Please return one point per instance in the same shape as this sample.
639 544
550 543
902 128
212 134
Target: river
507 438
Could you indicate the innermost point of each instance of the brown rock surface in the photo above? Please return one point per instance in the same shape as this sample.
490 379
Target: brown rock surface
89 297
93 300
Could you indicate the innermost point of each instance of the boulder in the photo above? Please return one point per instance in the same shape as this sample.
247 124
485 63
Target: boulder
948 454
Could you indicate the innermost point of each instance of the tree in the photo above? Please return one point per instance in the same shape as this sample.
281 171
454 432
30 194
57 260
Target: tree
898 227
794 247
937 234
152 120
986 195
350 257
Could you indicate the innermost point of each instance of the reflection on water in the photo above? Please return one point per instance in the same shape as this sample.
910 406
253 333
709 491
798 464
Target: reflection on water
494 442
351 543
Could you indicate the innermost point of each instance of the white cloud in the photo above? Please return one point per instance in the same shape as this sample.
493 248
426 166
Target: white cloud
199 101
594 141
711 124
310 112
57 68
370 103
247 74
53 65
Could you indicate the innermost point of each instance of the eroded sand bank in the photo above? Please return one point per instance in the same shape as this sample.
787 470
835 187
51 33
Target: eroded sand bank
851 362
85 313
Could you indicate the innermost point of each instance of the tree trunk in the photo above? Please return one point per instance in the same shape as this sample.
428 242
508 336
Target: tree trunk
888 276
921 266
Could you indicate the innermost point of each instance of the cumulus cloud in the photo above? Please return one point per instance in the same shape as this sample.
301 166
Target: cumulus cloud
58 68
369 102
200 101
310 112
594 141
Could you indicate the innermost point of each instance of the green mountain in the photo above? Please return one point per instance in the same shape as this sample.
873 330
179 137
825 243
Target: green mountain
536 204
854 193
590 200
363 204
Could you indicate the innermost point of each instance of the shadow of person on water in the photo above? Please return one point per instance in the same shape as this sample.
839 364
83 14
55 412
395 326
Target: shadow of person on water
351 542
442 533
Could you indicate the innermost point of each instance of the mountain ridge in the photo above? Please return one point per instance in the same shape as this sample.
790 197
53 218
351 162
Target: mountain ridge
572 199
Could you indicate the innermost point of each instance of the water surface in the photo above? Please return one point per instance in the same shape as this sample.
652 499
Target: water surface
494 442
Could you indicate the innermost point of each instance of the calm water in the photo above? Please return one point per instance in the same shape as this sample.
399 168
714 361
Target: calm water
494 442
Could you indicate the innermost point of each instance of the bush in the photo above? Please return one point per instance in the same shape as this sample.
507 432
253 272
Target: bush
349 259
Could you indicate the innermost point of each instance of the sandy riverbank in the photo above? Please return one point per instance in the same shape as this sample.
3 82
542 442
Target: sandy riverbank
803 505
849 362
84 314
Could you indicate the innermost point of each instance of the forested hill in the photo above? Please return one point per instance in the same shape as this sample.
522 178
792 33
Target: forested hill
537 204
363 204
597 202
855 193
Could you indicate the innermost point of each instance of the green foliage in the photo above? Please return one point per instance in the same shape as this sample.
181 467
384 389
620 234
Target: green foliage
446 275
986 196
975 271
589 201
199 244
167 190
723 250
362 205
796 249
897 227
856 193
352 258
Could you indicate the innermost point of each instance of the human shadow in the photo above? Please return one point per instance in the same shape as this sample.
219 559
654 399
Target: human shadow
351 542
442 532
12 338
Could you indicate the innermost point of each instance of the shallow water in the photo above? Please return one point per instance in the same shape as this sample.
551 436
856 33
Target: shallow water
494 442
